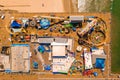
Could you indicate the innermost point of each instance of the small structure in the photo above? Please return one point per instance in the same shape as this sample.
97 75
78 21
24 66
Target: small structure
20 58
76 19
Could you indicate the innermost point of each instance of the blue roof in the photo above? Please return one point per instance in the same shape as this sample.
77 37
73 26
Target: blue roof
15 24
100 63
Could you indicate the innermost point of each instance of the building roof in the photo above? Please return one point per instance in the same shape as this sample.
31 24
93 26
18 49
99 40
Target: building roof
20 58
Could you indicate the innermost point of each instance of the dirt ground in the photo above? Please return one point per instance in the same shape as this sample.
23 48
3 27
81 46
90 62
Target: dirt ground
4 35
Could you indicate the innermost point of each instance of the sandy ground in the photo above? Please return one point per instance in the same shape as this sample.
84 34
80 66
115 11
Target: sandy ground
39 76
37 5
51 6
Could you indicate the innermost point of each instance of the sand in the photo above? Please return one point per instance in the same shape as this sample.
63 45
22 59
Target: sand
37 5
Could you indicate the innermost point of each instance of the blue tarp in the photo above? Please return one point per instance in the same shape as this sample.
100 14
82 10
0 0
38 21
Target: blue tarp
44 48
35 65
100 63
95 74
58 56
90 17
47 67
74 28
15 24
45 23
13 45
94 48
41 49
8 71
